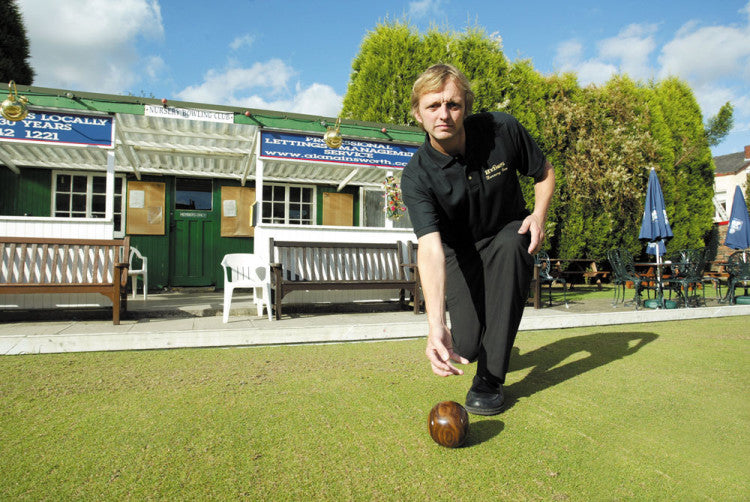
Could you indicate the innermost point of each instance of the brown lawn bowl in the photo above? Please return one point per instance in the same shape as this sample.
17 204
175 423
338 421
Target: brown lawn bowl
448 424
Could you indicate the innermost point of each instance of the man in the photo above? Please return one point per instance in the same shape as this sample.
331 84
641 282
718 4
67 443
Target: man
476 239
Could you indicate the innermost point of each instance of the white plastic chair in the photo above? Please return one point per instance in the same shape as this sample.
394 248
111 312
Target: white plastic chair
134 273
247 271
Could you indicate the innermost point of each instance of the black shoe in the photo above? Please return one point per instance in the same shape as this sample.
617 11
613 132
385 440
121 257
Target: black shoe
482 403
484 398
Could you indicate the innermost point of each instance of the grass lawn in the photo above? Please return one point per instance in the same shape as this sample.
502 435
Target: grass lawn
654 411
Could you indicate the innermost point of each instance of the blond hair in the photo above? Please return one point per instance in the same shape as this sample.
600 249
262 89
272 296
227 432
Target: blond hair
434 78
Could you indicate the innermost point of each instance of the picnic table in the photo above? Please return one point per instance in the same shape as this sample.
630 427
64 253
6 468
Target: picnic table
584 268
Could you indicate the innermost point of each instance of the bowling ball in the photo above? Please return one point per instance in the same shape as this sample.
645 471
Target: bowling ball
448 424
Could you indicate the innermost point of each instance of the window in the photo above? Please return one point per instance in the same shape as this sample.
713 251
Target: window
720 205
85 196
288 205
195 194
403 222
374 211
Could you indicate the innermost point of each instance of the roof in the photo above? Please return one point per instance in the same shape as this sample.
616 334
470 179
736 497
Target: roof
731 163
166 145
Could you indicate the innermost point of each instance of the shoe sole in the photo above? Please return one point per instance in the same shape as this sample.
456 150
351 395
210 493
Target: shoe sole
485 411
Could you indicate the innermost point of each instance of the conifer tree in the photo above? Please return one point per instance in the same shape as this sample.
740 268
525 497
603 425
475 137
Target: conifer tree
719 125
14 46
686 164
394 54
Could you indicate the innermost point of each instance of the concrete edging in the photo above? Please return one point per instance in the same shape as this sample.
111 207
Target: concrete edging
70 337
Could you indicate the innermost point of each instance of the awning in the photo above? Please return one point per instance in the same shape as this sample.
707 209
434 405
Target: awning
152 145
190 148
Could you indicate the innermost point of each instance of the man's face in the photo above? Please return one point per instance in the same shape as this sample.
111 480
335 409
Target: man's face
442 114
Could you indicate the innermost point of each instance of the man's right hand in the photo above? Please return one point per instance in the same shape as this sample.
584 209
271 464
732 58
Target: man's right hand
440 353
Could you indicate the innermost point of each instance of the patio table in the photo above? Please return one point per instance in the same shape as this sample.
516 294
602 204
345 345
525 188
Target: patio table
656 270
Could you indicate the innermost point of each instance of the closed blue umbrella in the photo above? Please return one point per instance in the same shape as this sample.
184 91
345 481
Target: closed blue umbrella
738 234
655 227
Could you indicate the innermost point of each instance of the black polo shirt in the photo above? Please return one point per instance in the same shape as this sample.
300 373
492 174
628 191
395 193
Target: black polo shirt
467 198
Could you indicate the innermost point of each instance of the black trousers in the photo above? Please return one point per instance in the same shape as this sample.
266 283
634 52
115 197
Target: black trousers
487 286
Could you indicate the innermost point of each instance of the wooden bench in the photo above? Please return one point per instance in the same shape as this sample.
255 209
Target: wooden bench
42 265
409 250
307 266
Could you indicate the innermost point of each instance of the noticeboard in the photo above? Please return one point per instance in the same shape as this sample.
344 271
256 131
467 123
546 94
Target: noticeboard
145 209
237 211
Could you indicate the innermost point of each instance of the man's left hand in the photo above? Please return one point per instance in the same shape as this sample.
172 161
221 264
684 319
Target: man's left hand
535 228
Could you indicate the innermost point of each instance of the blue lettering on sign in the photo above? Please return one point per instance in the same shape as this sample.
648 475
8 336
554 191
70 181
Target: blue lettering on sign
60 128
279 145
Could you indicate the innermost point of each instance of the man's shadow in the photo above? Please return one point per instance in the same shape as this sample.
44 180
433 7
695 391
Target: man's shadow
602 348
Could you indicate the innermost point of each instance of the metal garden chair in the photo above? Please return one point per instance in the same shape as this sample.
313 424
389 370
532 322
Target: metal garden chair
687 274
627 269
738 267
546 277
618 275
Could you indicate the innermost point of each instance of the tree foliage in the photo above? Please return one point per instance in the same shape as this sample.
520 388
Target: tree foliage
719 125
602 140
394 54
686 165
14 46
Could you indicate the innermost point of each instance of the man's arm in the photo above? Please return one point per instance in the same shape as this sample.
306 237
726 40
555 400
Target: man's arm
534 223
431 262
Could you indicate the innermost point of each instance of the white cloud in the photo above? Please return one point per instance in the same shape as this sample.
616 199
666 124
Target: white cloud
154 66
264 86
713 60
426 8
703 54
242 41
595 72
627 52
318 99
89 44
569 58
224 86
711 97
568 54
632 47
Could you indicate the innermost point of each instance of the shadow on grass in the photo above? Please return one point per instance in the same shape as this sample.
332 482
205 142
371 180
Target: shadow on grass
602 348
482 431
300 310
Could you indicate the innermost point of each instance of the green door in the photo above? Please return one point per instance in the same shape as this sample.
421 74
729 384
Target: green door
193 229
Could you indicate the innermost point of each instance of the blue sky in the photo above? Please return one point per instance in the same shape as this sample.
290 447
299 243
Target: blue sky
296 55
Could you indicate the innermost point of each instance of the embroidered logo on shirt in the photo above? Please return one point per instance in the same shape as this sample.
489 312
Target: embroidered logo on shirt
495 170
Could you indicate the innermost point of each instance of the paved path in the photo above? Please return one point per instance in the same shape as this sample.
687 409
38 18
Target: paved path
175 320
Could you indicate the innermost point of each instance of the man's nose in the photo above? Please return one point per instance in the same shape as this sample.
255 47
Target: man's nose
444 111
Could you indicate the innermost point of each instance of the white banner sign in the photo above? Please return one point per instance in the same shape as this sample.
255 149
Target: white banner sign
188 114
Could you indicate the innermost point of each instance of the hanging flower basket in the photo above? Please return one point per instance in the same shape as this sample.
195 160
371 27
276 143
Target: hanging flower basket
394 204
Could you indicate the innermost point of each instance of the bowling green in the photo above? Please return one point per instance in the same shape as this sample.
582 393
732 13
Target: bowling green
654 411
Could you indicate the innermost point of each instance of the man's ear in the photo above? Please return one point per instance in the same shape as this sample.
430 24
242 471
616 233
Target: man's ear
417 116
